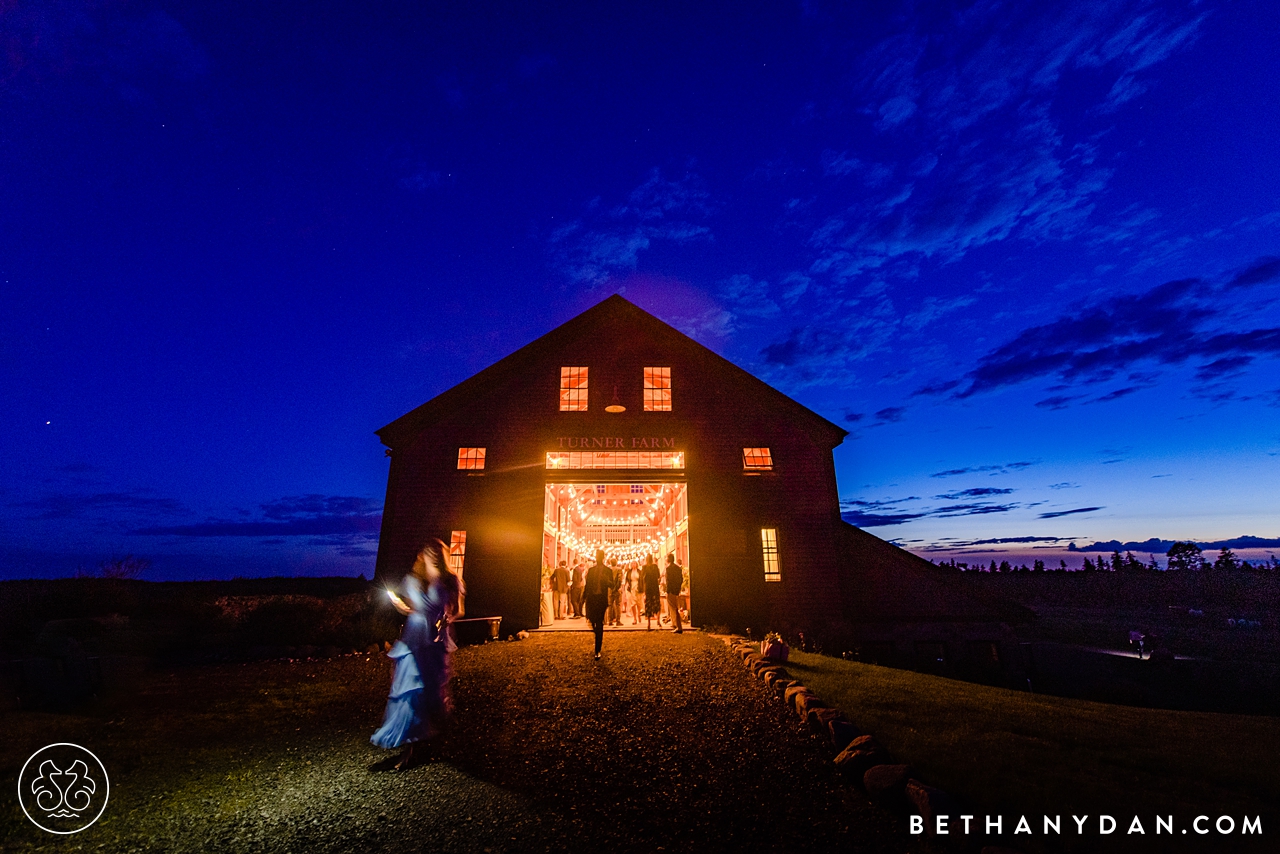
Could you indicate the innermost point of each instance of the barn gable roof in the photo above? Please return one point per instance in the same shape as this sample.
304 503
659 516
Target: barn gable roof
614 312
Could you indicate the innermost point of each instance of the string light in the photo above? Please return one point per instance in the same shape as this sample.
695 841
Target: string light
600 523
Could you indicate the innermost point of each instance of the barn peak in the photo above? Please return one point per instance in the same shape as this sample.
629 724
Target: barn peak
612 328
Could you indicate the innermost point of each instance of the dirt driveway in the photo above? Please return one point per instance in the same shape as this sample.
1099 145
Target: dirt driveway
667 744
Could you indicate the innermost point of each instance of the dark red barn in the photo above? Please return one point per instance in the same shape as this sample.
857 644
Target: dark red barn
616 431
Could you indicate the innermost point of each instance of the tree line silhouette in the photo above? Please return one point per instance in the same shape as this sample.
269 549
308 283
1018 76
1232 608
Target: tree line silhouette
1181 556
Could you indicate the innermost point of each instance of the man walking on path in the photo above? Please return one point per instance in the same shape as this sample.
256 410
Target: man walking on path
675 583
650 579
599 582
560 588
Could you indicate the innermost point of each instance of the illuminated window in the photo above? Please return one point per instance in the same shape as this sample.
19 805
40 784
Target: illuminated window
657 389
573 389
615 459
457 551
769 544
757 459
471 459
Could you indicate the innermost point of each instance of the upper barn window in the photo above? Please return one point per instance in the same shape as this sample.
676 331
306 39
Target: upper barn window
757 459
471 459
657 389
573 389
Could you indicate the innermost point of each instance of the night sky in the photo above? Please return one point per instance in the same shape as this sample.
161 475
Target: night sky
1027 254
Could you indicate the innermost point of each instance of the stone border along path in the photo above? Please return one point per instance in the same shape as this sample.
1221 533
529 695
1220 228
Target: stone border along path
859 758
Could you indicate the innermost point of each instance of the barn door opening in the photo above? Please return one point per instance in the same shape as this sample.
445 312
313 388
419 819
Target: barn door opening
630 522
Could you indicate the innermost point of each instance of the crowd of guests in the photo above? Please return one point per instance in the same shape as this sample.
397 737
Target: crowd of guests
641 592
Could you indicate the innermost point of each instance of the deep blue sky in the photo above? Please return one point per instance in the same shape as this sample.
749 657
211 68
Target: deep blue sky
1025 253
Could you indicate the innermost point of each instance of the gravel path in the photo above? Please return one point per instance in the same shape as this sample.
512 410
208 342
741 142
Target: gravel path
667 744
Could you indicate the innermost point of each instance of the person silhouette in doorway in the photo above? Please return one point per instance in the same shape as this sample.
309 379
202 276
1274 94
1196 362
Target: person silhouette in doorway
599 582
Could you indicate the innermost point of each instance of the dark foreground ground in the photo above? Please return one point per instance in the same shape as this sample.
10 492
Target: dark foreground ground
665 745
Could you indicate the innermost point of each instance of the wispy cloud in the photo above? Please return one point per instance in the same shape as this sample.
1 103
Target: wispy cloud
75 505
952 510
1224 367
870 519
1265 269
1057 401
340 518
891 414
978 108
1117 394
748 297
1054 514
1003 468
960 143
873 514
977 492
881 418
608 239
956 544
1177 322
894 511
822 354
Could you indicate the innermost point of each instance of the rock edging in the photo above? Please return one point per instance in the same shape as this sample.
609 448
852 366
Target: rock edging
860 759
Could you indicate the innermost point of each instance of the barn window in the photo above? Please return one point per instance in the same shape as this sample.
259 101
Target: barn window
757 459
615 460
457 551
573 389
471 459
657 389
769 545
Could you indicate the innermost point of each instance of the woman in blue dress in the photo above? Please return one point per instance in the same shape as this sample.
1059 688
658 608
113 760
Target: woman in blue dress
419 703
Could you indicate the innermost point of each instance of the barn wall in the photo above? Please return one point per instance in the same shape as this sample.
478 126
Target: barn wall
715 415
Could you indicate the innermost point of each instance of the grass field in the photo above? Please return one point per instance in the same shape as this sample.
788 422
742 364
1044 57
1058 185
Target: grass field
1101 608
1018 753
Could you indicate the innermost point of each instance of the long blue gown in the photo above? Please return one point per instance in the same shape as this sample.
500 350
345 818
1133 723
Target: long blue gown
418 702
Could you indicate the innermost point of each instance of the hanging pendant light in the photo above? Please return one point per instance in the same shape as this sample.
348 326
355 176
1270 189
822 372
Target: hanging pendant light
616 405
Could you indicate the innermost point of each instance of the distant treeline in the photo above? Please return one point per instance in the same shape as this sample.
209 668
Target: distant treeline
1181 556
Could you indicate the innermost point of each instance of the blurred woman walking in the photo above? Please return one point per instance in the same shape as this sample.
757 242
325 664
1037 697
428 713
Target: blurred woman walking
419 705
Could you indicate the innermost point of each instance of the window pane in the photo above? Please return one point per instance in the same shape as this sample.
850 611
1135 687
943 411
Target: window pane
769 547
657 389
573 389
471 459
457 551
757 459
615 459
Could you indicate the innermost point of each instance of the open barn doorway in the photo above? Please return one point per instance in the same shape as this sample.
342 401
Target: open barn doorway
630 521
